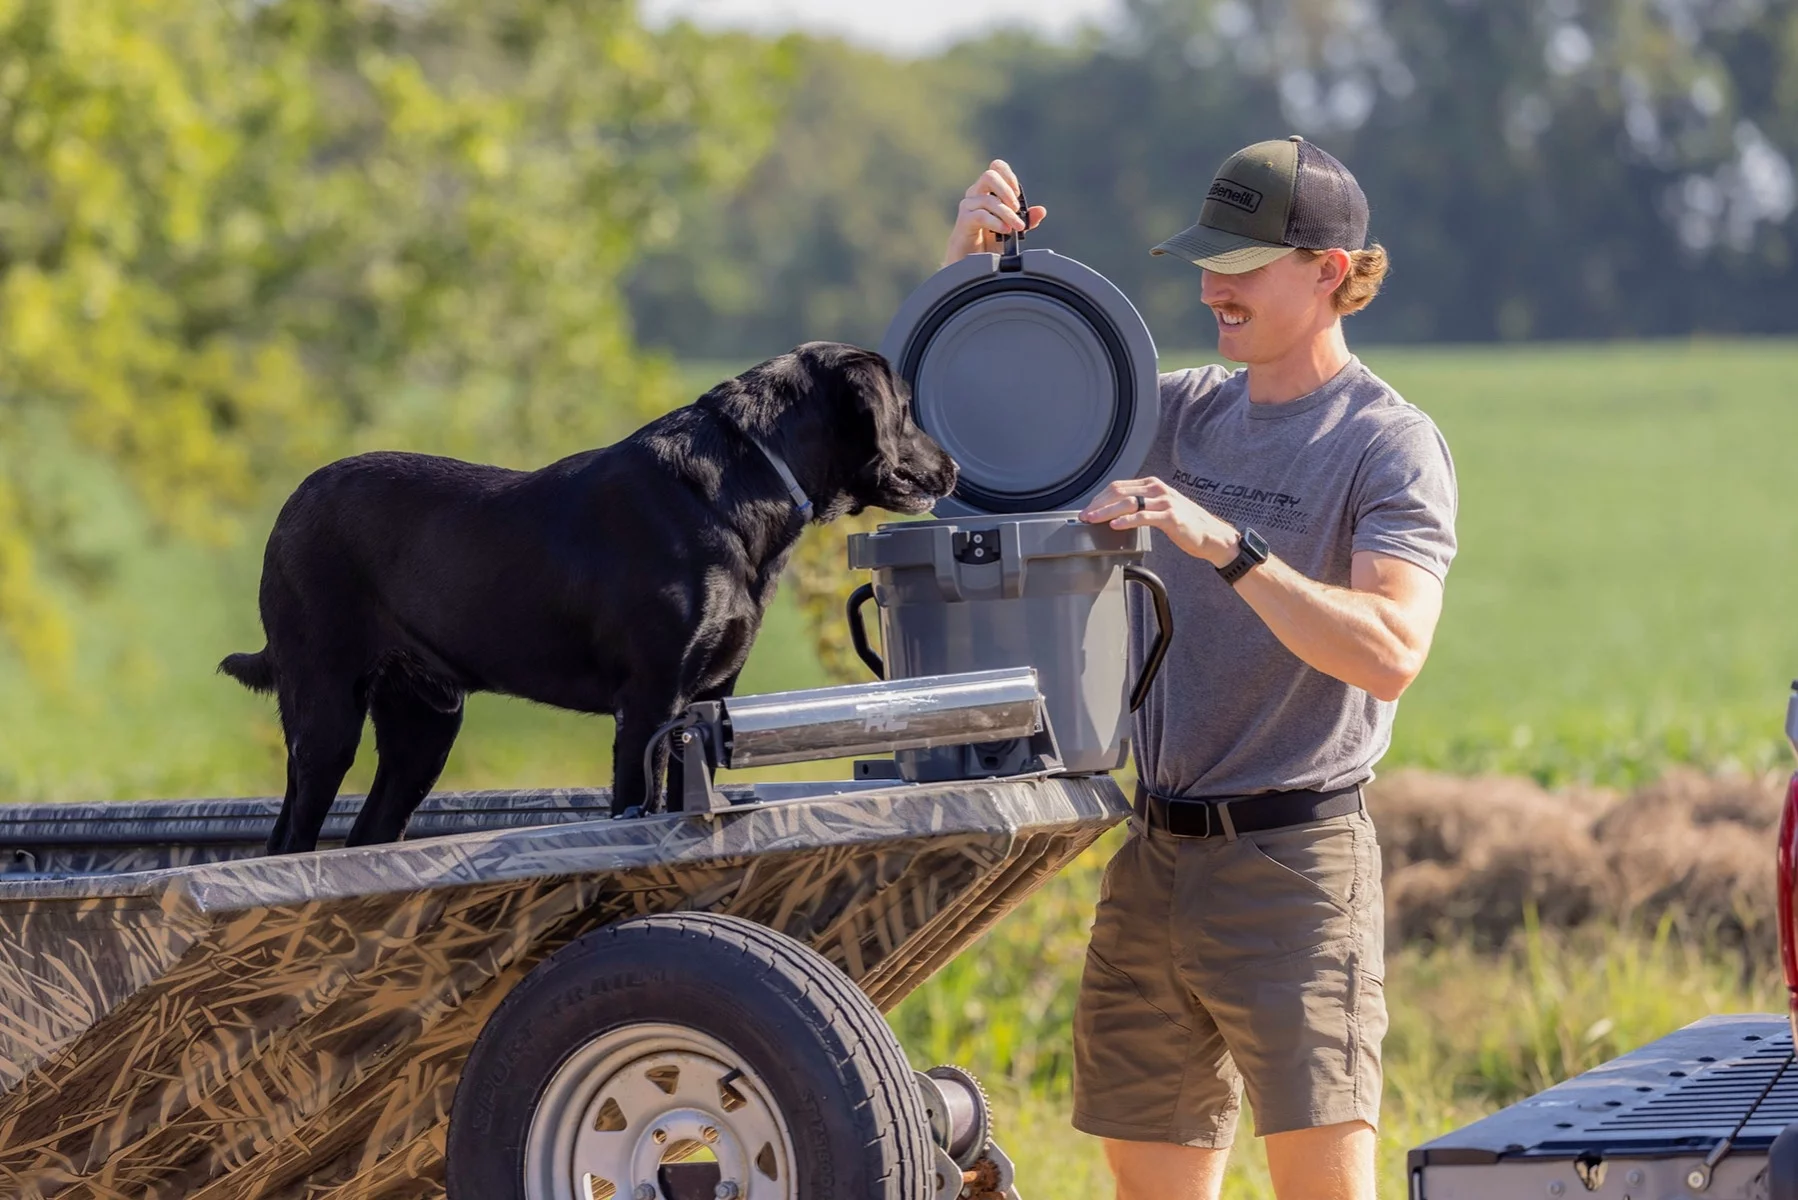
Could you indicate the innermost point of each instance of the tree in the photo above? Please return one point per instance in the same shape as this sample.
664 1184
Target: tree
234 235
845 215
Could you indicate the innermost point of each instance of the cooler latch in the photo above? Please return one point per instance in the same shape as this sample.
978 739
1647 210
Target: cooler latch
975 546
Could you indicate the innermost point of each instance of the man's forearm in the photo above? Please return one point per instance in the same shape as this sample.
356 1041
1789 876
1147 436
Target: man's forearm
1365 639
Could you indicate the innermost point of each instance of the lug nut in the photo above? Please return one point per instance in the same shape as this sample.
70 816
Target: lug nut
645 1191
709 1133
726 1191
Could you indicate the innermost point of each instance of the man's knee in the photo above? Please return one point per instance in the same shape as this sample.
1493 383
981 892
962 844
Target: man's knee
1162 1171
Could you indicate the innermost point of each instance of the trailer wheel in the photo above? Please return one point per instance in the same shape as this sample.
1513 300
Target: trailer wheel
687 1057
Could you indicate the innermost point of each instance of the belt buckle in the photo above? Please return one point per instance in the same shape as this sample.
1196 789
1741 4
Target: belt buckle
1186 806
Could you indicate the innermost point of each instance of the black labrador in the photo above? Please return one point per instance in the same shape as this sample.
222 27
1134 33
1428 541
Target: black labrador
627 580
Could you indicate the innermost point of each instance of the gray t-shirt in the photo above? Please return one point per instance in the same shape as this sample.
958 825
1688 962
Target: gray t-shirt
1349 467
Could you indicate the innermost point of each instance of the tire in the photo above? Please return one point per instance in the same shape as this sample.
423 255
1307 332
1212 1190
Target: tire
629 1045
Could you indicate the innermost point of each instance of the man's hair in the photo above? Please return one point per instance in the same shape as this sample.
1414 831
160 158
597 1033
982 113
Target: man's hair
1367 270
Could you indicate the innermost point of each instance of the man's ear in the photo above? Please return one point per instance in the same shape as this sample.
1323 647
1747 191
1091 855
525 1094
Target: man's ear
1332 268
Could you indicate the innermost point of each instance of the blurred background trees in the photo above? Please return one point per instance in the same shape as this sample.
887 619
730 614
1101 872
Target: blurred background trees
1538 168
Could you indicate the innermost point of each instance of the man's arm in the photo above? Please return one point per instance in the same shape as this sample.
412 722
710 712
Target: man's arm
1373 634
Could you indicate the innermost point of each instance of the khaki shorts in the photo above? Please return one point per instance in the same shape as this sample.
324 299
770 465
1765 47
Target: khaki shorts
1216 964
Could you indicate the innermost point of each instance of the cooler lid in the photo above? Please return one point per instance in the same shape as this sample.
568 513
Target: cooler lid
1034 372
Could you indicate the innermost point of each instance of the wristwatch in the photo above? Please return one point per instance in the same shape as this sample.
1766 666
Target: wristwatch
1251 552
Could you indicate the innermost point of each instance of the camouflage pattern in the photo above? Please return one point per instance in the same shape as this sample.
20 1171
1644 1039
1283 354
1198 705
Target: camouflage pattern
182 1018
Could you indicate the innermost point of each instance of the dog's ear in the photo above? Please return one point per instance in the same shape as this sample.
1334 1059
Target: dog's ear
881 398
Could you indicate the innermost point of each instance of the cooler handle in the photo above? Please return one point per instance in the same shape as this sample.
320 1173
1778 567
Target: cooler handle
1164 632
858 632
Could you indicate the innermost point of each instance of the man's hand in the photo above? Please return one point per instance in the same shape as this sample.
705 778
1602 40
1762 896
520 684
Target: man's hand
988 212
1185 523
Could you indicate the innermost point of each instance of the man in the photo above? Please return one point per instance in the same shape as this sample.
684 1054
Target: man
1306 515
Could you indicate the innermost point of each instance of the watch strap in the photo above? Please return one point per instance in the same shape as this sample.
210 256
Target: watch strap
1251 552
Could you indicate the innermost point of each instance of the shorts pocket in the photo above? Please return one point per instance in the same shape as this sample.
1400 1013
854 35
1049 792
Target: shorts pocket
1268 895
1326 857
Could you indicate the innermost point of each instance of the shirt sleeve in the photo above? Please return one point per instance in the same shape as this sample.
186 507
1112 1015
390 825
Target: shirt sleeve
1406 498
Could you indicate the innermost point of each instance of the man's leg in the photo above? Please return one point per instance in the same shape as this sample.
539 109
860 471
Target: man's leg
1159 1171
1152 1075
1289 963
1335 1162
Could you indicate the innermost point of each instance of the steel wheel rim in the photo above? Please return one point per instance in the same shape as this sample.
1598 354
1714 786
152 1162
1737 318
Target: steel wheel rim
594 1130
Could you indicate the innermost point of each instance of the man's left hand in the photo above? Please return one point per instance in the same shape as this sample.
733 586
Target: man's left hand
1184 522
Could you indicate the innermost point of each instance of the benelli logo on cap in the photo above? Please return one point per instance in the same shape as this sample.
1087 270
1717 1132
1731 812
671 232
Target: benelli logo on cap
1235 195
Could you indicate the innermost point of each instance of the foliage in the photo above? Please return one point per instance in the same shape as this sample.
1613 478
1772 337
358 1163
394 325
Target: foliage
819 580
834 226
236 235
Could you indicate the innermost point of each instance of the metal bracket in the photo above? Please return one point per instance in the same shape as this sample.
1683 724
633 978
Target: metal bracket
696 736
1045 751
992 1175
878 768
698 793
1003 1167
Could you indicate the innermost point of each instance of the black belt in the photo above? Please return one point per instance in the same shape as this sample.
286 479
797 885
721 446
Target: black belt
1224 815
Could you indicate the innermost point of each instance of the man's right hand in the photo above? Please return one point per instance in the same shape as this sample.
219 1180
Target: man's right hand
988 212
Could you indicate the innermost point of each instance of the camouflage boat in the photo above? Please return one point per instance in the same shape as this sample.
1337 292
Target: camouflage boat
662 1008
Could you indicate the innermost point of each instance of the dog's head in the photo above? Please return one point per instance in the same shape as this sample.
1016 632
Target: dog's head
849 425
898 466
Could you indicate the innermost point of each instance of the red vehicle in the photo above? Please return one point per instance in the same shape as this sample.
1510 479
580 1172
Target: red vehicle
1709 1112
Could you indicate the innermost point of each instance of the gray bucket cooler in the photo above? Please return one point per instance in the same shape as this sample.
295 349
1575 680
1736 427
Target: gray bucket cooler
1039 377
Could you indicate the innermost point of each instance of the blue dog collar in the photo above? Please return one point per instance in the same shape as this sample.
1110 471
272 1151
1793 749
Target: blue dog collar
800 499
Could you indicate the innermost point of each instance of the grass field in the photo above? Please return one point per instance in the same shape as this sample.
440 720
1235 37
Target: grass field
1626 598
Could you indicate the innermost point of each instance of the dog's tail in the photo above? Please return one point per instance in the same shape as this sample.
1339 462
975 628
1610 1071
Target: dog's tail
255 671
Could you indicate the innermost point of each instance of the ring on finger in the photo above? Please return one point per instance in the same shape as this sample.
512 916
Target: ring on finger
1140 502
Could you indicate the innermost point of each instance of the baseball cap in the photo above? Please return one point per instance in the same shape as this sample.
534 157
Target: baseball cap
1268 200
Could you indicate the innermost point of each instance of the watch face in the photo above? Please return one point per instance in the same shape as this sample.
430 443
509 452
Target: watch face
1255 544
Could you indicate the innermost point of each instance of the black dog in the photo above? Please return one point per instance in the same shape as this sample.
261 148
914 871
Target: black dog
629 580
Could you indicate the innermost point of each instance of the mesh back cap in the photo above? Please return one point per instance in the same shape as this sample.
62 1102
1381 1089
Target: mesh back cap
1268 200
